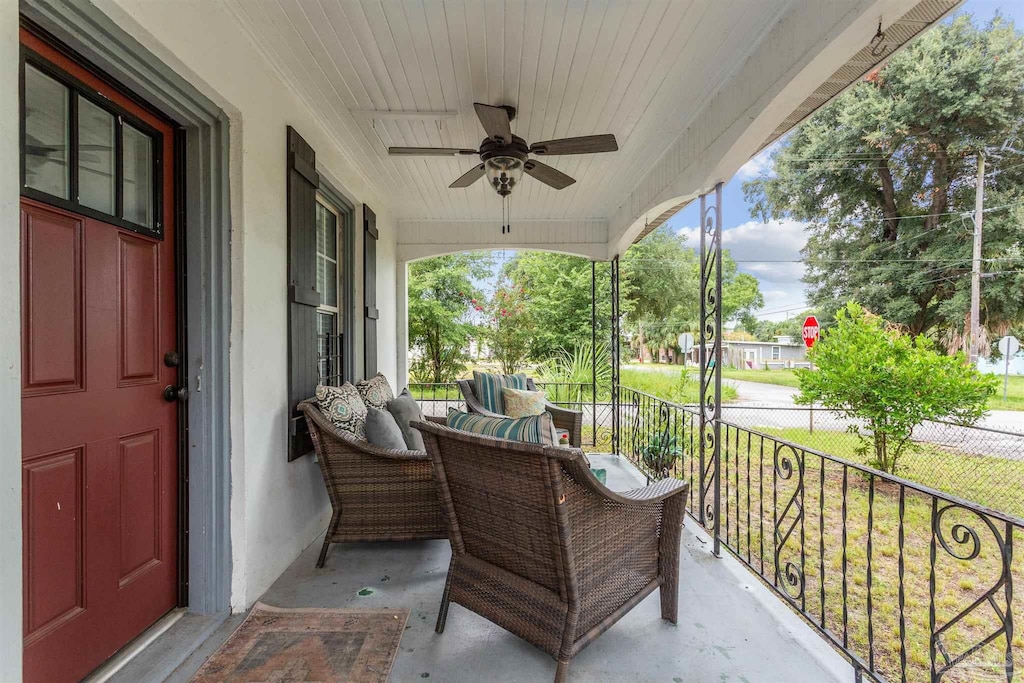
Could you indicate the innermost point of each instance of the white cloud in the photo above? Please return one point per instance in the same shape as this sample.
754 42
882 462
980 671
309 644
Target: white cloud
762 163
771 253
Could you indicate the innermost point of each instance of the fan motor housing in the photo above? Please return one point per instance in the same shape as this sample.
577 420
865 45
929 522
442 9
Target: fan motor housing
517 148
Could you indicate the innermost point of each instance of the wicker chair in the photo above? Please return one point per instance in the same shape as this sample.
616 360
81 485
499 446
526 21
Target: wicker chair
541 548
377 494
569 420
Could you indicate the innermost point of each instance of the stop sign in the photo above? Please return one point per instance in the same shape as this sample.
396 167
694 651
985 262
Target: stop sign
811 330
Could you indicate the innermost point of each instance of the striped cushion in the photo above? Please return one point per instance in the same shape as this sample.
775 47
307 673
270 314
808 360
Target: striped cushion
535 429
488 389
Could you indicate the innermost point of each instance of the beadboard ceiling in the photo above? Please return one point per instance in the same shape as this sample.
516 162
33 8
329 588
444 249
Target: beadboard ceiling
638 69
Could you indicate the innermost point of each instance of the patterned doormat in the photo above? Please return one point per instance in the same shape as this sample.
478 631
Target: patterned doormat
324 645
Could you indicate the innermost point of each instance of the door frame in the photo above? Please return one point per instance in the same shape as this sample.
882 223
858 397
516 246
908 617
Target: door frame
203 252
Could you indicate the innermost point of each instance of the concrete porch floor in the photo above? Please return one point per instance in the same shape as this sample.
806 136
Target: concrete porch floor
731 628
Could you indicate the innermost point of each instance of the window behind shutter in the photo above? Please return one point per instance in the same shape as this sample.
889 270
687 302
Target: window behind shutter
369 292
303 297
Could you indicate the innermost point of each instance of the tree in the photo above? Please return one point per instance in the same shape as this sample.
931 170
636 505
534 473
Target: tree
511 327
661 289
442 295
660 282
892 381
558 300
885 178
767 330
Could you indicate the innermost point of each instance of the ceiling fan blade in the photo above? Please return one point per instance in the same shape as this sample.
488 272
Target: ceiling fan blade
428 151
586 144
469 177
548 175
495 121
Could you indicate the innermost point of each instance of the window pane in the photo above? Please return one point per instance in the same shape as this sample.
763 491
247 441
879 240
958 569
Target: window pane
327 256
95 157
326 356
138 177
46 134
329 294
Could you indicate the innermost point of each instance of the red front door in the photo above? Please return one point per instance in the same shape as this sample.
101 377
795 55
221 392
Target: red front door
99 440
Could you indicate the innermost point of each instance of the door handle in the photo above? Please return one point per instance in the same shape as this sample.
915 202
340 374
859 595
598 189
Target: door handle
172 394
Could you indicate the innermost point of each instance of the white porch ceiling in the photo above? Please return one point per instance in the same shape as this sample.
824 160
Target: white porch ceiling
639 70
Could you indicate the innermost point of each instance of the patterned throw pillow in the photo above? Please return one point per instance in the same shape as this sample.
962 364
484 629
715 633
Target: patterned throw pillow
488 389
376 392
344 407
536 429
520 403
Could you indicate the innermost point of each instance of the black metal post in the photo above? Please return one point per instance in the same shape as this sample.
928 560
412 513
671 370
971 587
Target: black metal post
615 354
593 352
710 335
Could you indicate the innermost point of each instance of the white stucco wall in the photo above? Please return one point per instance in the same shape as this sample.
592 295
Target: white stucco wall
277 507
10 353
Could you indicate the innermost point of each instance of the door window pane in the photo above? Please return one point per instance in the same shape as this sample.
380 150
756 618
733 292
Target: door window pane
46 134
138 177
95 157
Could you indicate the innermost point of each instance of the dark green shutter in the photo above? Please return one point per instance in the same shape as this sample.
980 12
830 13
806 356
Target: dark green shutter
369 292
303 298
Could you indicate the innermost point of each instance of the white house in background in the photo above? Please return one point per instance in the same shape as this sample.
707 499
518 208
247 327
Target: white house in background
202 221
781 353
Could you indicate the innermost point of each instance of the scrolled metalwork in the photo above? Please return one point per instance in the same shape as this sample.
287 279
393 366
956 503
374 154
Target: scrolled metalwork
710 350
963 542
789 575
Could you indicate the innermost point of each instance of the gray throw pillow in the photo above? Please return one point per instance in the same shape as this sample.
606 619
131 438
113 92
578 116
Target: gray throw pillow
382 431
406 410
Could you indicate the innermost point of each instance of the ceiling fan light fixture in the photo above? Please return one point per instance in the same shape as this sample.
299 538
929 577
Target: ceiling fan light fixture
503 173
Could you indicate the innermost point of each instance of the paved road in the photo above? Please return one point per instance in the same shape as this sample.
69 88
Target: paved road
773 400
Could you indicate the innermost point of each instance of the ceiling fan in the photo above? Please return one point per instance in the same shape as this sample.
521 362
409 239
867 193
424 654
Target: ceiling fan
504 156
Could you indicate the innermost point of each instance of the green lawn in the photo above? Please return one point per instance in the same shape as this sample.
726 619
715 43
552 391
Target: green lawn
788 378
785 378
669 382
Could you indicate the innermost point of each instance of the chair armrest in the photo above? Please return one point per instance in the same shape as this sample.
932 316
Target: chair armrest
570 420
657 492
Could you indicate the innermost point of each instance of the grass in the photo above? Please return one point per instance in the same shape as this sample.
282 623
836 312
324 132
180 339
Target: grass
670 383
785 378
788 378
992 481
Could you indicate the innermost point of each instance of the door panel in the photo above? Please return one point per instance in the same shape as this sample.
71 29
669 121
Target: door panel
139 297
52 303
99 442
52 487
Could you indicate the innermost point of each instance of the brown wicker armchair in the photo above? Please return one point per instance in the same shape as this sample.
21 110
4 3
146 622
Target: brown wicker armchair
377 494
541 548
569 420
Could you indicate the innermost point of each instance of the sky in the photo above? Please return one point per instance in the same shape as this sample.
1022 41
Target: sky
771 251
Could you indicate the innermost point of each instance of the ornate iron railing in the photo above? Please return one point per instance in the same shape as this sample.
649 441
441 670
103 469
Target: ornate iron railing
910 583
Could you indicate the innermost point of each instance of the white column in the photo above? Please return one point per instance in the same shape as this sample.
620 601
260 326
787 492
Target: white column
402 322
10 350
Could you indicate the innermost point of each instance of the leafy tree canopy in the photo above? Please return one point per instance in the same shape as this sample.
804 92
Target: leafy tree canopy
661 288
885 177
557 289
441 295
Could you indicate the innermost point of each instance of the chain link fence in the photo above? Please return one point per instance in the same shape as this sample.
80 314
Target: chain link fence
980 464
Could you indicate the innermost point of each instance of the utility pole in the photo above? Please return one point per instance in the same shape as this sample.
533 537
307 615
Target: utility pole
979 202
